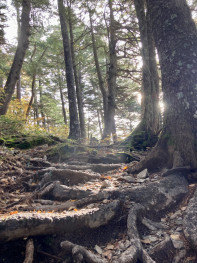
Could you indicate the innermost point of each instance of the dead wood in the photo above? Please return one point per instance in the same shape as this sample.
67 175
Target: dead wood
81 254
29 254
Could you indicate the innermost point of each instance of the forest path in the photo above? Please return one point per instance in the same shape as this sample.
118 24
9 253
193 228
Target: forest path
87 212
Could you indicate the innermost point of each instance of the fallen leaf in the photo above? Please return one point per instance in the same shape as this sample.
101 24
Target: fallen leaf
108 254
98 249
146 241
71 208
75 210
13 212
175 237
109 246
125 168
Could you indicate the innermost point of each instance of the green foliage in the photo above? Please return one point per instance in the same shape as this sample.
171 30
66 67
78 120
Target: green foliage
10 126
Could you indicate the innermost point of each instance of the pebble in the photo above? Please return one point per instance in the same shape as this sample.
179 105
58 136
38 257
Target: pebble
143 174
129 179
178 243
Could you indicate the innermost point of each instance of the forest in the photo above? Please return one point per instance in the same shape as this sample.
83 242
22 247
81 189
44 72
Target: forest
98 131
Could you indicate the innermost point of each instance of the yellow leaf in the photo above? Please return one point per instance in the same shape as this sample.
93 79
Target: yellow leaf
126 167
75 210
13 212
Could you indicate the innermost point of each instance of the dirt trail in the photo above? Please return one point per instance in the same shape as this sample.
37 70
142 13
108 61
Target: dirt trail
87 212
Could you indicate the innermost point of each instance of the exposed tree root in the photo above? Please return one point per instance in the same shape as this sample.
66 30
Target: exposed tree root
29 254
81 254
32 224
76 211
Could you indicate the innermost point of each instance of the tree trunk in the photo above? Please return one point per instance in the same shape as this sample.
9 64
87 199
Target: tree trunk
62 98
145 134
110 128
36 114
18 84
175 37
98 71
41 105
74 122
14 73
32 95
76 77
150 78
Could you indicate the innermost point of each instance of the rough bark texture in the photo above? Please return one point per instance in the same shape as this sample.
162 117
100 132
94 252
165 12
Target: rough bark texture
145 134
62 98
98 70
74 122
76 77
176 41
18 85
150 79
14 73
110 127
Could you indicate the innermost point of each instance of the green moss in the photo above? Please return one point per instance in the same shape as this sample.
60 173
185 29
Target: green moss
25 141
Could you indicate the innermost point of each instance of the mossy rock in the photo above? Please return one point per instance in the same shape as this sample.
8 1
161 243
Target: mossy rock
26 141
65 151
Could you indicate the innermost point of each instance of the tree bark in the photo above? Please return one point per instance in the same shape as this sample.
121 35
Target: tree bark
14 73
32 95
146 133
18 84
41 104
175 37
110 128
74 122
98 71
76 77
150 78
62 98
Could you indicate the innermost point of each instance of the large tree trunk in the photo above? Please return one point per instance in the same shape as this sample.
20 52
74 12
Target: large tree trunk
150 78
74 122
176 41
110 128
146 133
76 77
14 73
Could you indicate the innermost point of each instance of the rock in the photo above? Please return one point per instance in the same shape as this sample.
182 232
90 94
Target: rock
189 222
129 179
143 174
179 256
98 249
178 244
164 250
105 184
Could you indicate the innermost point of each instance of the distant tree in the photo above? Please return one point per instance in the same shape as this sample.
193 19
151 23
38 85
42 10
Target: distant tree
73 114
7 92
110 127
76 73
2 21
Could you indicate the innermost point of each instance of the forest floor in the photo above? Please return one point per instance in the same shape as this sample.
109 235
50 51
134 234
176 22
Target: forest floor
75 211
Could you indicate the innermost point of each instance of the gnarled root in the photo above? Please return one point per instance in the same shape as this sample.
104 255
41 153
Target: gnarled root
81 254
